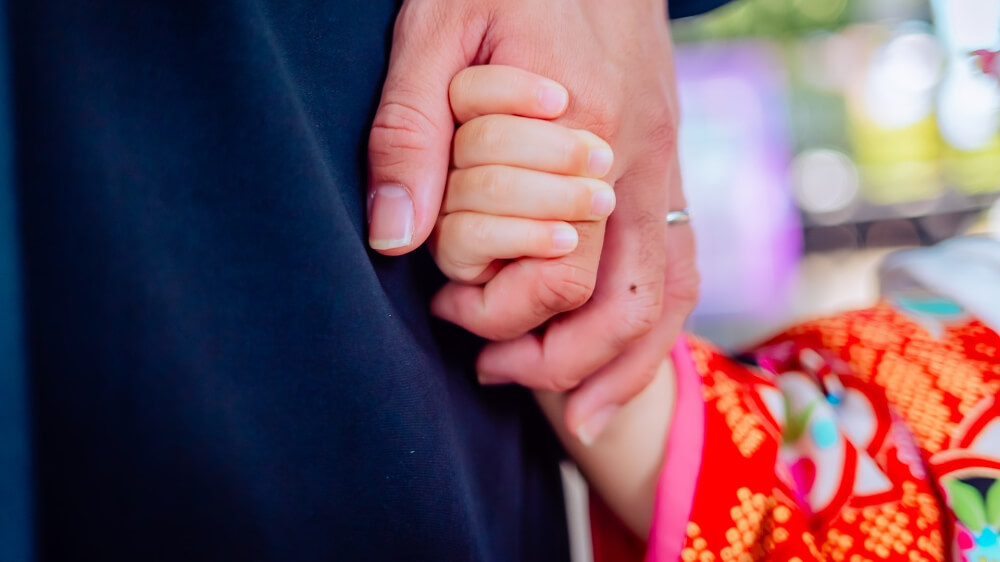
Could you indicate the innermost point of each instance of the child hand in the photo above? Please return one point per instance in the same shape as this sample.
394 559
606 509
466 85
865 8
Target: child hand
516 181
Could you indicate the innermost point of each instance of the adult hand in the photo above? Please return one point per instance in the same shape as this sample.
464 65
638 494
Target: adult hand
615 61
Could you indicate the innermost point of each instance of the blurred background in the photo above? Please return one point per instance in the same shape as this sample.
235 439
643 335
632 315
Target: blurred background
817 135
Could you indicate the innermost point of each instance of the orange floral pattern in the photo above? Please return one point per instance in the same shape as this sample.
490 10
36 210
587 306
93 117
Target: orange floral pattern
852 438
929 386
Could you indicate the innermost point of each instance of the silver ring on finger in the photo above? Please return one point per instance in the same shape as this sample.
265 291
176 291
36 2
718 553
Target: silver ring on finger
675 218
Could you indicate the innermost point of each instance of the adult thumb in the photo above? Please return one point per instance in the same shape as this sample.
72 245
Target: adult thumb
410 141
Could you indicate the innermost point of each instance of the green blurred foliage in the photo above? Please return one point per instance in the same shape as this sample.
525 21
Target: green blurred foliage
779 19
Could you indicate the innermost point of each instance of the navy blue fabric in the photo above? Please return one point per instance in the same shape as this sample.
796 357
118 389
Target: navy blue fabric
15 506
218 368
688 8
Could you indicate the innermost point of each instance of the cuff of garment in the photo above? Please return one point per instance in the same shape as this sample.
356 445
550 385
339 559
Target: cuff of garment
612 541
682 463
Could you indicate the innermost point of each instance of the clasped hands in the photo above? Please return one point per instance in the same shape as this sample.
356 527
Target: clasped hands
589 306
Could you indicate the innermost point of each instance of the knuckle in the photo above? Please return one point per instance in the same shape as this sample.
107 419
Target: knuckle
448 251
491 184
558 380
419 18
449 268
564 286
457 190
464 273
462 85
602 117
464 79
563 382
501 333
399 127
476 229
685 290
488 132
689 290
661 130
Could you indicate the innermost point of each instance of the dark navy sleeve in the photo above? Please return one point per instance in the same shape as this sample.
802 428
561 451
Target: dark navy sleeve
218 367
15 518
687 8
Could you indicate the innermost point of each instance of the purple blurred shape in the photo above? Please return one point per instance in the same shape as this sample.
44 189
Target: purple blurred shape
735 156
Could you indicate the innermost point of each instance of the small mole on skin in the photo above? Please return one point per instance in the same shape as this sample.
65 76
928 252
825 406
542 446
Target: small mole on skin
631 288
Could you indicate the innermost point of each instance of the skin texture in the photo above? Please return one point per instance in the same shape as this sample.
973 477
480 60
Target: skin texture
623 465
613 305
515 183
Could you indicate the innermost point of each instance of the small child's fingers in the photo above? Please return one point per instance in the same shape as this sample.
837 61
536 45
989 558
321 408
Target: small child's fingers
486 89
466 244
519 192
531 143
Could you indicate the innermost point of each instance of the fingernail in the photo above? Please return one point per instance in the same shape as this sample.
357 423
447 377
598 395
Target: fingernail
552 99
593 427
602 203
599 161
564 237
391 222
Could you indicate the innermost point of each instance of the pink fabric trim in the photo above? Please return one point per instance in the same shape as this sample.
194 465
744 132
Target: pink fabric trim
685 444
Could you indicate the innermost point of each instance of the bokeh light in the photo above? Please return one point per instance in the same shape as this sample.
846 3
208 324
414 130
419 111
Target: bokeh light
831 127
825 180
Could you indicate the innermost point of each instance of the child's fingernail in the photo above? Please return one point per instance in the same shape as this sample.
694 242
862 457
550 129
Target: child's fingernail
564 237
391 217
595 425
602 203
552 99
599 161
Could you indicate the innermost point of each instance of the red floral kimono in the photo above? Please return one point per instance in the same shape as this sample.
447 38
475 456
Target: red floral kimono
872 435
